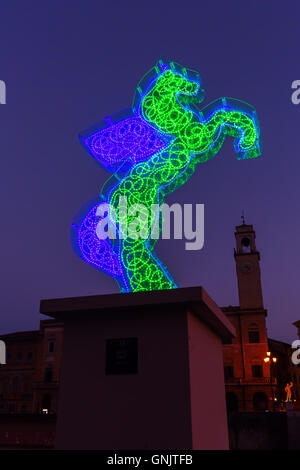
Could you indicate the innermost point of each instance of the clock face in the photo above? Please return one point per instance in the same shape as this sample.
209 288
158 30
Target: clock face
246 268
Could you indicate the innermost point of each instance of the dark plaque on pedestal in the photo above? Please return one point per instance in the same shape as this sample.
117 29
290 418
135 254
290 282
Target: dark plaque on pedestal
121 356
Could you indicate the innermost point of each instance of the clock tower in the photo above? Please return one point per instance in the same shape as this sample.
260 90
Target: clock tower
250 385
247 267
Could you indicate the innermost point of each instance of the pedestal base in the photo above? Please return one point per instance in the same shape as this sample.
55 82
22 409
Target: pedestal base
142 371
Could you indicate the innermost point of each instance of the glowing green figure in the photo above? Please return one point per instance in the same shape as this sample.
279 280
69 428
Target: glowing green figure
167 104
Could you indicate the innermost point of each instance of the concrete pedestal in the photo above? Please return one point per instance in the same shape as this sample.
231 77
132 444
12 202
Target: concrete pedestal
142 371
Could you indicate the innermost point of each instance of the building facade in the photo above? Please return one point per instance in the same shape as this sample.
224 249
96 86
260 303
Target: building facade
256 368
29 379
47 372
18 374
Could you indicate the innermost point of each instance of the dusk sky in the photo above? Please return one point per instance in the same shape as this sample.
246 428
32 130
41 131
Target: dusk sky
69 64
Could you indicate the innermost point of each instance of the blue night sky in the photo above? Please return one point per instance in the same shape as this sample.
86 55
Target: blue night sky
69 64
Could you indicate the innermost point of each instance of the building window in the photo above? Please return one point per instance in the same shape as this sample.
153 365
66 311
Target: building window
257 371
253 333
232 402
16 386
227 341
253 336
246 245
19 357
5 387
8 357
29 357
51 346
48 375
46 404
26 386
228 372
12 408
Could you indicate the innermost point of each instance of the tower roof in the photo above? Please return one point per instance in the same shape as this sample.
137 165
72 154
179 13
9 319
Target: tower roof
244 228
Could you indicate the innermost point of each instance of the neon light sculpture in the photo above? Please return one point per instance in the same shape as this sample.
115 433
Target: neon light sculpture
152 149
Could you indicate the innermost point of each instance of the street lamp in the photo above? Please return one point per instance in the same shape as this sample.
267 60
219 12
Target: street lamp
271 359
